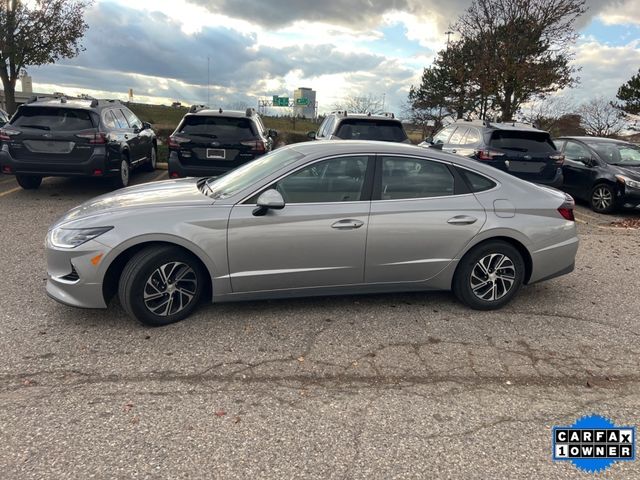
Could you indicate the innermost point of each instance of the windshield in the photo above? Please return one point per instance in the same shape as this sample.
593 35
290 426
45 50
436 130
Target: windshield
624 154
366 129
520 141
249 173
224 128
53 118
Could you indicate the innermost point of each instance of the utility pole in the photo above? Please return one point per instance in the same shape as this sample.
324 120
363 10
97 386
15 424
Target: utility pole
208 81
448 34
383 99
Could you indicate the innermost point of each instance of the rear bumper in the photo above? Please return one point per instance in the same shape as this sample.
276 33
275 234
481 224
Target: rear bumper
554 261
87 168
179 169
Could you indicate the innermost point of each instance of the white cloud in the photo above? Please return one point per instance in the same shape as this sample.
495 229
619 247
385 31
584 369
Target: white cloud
621 13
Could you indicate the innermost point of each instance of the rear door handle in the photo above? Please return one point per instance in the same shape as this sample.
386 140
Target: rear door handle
347 224
462 220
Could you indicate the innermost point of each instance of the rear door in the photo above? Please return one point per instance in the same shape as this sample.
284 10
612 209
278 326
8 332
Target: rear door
529 155
421 218
52 135
140 140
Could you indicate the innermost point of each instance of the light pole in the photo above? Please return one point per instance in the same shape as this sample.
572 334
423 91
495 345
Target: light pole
208 81
448 34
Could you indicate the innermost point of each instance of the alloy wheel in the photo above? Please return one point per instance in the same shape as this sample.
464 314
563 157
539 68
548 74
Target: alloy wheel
602 198
170 289
124 172
492 277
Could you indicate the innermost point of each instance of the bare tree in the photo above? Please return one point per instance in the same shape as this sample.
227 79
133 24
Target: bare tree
366 104
41 32
601 118
546 112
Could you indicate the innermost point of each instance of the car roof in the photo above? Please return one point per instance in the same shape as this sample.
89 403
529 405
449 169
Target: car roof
491 126
65 102
587 139
210 112
365 116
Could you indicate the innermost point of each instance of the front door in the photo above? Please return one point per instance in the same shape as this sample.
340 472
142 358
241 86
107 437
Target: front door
578 175
317 240
418 224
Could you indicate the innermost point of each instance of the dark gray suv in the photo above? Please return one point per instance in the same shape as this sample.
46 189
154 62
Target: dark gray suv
68 137
516 148
342 125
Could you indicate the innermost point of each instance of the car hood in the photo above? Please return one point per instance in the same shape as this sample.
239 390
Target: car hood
155 194
633 172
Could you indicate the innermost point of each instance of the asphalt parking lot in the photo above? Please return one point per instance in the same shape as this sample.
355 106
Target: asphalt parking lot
384 386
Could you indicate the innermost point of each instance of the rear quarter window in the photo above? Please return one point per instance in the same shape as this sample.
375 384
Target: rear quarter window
222 128
364 129
54 118
522 141
477 183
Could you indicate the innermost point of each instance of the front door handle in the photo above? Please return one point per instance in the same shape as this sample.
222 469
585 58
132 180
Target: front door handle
462 220
347 224
453 150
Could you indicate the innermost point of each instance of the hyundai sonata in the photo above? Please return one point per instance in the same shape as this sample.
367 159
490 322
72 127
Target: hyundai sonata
313 219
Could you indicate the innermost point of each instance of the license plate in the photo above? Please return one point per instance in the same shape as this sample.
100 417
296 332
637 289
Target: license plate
526 167
216 153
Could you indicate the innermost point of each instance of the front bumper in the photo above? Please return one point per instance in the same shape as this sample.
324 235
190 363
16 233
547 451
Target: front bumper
58 168
85 291
629 197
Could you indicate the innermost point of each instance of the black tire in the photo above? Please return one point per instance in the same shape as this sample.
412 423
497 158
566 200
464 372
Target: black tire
150 165
143 275
29 182
464 284
603 198
121 180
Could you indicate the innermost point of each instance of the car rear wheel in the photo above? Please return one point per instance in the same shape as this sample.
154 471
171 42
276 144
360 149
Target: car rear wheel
150 165
161 285
124 173
489 276
29 182
603 198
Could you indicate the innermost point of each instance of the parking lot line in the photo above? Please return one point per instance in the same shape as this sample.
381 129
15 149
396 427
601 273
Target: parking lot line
162 174
10 191
7 180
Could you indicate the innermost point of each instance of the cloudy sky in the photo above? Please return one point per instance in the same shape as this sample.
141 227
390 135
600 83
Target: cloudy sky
260 48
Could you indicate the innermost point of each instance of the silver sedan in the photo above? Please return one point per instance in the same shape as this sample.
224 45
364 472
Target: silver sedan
313 219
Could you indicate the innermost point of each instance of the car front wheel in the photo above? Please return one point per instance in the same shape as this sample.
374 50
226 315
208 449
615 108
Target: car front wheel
124 173
161 285
489 276
603 198
29 182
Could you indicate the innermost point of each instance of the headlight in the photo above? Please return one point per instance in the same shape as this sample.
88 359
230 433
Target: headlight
628 182
72 237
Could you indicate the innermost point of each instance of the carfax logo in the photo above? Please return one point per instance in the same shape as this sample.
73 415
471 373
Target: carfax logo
594 443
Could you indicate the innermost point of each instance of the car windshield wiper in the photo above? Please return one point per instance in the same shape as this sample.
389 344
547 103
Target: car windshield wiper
39 127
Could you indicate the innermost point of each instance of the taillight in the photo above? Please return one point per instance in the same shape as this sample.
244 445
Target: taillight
557 159
174 142
6 134
257 146
566 209
487 154
95 138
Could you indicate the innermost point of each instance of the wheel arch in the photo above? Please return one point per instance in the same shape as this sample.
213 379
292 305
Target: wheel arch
113 270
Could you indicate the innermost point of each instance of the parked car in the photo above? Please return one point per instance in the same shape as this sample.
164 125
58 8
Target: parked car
342 125
212 142
516 148
4 118
314 218
602 171
69 137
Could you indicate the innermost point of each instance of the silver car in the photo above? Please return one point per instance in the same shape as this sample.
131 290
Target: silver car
313 219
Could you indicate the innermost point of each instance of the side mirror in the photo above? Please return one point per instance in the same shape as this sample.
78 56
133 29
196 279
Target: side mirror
311 135
268 200
437 146
146 126
273 133
429 139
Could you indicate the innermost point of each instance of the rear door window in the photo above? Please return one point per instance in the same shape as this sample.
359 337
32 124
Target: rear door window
54 119
521 141
365 129
574 151
108 120
228 129
458 135
404 178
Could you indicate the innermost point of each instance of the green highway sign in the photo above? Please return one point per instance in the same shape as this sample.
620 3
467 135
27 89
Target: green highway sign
280 101
302 101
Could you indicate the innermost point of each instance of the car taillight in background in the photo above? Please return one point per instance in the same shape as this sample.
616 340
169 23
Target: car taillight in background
7 133
95 138
566 209
487 154
557 159
257 146
174 142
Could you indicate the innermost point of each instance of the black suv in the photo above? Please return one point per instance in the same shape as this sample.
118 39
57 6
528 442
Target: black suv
66 137
602 171
212 142
342 125
516 148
